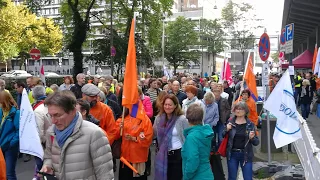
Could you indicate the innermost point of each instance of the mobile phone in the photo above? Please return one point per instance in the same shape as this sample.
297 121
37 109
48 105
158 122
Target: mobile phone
47 176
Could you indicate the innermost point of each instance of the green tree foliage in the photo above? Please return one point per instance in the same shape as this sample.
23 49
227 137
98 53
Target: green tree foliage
275 56
180 35
212 36
77 13
20 30
102 55
240 22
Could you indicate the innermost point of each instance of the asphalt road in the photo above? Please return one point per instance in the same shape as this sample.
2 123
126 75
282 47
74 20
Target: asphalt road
25 170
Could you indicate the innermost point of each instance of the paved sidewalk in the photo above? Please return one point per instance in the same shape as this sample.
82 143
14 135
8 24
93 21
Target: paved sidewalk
314 125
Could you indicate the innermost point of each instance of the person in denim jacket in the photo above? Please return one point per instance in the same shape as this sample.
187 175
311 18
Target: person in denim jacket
9 132
241 138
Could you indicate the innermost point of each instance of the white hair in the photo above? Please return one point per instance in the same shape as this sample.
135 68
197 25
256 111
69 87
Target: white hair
209 97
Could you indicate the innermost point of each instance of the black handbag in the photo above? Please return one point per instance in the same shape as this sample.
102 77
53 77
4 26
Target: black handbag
116 148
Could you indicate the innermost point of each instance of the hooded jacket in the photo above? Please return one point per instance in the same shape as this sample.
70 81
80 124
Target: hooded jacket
9 131
196 152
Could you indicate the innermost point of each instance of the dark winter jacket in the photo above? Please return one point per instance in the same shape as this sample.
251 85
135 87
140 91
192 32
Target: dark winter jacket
180 95
114 107
248 150
92 119
307 98
76 89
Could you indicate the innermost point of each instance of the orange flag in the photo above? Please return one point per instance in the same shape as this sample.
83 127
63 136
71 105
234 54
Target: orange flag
314 57
130 87
250 79
130 97
2 167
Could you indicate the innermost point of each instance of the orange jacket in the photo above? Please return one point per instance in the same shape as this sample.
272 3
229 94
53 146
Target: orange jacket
104 114
253 115
135 152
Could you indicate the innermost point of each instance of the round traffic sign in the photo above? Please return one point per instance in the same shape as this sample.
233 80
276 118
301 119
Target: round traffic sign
35 54
113 51
264 47
281 56
283 37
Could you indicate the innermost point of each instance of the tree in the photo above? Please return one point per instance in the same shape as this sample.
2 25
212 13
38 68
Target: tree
21 30
76 16
275 57
212 37
102 54
180 35
240 21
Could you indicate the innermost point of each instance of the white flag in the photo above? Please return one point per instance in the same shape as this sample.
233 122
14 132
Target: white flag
28 133
282 105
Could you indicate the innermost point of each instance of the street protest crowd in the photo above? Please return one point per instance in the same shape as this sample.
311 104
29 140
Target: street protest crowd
83 128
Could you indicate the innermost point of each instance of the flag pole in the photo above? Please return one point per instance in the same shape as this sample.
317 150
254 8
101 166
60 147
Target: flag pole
122 121
268 119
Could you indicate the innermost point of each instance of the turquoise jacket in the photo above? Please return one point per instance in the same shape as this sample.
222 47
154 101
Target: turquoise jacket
9 131
196 153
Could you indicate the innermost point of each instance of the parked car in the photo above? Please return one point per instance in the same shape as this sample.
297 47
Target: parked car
51 74
16 73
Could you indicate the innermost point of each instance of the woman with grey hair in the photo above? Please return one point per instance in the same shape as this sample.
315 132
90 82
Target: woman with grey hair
212 111
42 120
197 146
242 136
306 96
54 87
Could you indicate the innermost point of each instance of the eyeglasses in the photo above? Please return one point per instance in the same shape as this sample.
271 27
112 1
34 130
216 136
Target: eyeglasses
55 116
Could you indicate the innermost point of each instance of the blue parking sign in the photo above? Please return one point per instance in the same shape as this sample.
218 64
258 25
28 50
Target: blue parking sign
289 32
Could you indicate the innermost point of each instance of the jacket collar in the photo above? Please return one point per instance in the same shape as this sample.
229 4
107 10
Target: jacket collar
12 110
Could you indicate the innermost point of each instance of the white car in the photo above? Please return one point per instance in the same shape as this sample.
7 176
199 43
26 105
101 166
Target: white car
51 74
16 73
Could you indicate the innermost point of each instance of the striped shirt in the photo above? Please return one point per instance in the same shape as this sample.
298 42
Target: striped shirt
153 94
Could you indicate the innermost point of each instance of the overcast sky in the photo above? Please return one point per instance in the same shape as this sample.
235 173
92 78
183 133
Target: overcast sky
271 11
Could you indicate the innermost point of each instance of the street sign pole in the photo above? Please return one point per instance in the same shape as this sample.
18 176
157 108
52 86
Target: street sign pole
264 52
268 126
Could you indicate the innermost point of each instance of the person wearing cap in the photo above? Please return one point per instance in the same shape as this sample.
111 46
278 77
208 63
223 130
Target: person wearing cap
99 110
76 89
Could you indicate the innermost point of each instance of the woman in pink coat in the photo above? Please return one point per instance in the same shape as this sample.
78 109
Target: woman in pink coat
147 104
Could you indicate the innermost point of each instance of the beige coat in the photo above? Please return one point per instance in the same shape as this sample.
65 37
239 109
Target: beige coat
86 154
43 121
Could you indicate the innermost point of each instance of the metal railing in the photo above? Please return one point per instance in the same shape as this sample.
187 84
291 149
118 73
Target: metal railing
308 152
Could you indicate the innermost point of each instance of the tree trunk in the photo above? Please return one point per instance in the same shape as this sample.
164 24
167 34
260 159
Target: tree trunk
78 38
77 59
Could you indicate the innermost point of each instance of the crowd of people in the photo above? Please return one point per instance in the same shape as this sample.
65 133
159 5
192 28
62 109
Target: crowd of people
84 128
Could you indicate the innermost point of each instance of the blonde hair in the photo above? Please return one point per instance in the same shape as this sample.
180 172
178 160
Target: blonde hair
306 82
7 101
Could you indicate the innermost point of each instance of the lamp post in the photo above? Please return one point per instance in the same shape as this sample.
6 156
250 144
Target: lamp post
111 38
163 36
